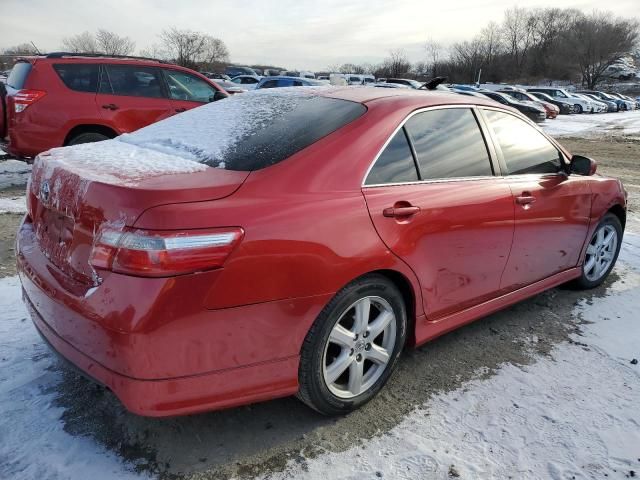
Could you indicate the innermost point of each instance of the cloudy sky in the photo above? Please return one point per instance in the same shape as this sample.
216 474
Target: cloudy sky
296 34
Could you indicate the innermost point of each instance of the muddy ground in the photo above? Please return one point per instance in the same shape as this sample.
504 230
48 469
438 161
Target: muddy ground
262 438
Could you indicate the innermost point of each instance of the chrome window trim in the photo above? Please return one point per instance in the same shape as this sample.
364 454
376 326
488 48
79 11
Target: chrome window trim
435 180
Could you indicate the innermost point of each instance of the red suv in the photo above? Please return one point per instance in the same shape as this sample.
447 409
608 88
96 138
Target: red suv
65 99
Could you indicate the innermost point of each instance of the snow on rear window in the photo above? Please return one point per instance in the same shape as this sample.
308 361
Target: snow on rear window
248 131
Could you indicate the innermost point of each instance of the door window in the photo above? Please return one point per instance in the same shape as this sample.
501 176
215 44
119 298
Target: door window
525 149
81 77
449 144
183 86
132 81
270 84
395 164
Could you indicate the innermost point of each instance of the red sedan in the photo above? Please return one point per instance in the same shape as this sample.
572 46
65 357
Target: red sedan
293 242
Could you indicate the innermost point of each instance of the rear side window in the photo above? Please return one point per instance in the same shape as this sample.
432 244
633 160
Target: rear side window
132 81
270 84
395 164
449 144
81 77
525 149
18 75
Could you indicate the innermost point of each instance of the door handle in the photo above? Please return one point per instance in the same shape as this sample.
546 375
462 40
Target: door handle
180 110
395 212
525 199
110 106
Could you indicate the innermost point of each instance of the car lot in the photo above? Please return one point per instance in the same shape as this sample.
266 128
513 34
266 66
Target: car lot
82 429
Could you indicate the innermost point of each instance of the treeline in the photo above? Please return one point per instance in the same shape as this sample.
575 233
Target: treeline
527 46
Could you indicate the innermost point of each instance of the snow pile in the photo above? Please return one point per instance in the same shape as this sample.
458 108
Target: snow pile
205 134
586 125
33 443
13 205
574 415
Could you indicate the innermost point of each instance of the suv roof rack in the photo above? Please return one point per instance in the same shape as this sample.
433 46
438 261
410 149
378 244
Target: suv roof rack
100 55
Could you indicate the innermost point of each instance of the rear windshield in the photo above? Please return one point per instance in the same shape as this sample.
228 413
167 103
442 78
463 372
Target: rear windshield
18 75
249 131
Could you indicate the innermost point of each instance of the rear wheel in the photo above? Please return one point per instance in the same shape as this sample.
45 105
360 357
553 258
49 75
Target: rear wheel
87 137
577 108
602 252
353 346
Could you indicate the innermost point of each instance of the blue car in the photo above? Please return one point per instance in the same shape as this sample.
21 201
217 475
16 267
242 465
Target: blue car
282 81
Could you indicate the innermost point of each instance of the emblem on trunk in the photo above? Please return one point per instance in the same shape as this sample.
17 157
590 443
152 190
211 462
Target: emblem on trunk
44 191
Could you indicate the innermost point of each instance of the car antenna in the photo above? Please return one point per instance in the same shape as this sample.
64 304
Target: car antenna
433 83
37 49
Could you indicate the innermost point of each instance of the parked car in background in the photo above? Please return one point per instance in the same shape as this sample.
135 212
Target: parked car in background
302 254
612 106
566 108
235 70
247 81
533 112
627 103
594 106
522 96
405 81
606 97
390 85
230 87
579 105
65 99
284 81
215 75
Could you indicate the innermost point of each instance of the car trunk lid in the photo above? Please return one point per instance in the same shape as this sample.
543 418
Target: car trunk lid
76 191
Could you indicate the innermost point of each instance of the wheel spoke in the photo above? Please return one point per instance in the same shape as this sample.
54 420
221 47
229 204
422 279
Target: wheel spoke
591 249
356 372
591 263
378 355
363 307
338 366
600 237
342 336
379 324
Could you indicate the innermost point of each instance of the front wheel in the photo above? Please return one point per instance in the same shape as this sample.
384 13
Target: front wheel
577 108
602 252
87 137
353 346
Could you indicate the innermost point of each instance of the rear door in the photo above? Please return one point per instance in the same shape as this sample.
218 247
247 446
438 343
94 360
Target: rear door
188 91
436 203
552 209
131 96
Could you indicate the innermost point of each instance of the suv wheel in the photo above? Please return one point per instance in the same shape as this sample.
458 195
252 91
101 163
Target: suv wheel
602 252
87 137
353 346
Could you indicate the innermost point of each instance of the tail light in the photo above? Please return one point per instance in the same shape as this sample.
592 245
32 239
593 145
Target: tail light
163 253
23 98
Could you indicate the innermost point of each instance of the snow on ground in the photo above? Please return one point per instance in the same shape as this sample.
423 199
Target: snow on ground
33 444
13 173
574 415
584 125
13 204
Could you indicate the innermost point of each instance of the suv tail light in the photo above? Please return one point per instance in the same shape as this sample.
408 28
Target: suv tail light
163 253
23 98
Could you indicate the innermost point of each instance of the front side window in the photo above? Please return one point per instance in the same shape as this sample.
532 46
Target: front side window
524 148
78 76
395 164
449 144
183 86
132 81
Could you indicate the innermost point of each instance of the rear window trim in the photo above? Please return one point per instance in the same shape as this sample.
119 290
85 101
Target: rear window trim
487 140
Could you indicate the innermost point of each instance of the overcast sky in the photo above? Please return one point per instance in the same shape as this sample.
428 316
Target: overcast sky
296 34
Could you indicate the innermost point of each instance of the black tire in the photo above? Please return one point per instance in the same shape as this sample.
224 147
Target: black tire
87 137
584 282
577 108
314 391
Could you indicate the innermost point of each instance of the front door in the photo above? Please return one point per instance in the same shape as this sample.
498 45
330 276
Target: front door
552 209
131 97
436 203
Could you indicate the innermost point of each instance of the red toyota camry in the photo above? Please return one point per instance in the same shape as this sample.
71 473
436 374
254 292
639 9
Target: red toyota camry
294 242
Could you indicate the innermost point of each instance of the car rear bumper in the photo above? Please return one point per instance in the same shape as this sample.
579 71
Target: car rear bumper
159 360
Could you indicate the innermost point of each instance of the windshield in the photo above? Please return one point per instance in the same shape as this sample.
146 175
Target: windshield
249 131
18 76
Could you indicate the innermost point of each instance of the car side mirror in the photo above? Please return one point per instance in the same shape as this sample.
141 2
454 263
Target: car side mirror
583 165
218 95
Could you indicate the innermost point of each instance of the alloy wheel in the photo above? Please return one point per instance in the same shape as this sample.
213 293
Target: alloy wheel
600 252
359 347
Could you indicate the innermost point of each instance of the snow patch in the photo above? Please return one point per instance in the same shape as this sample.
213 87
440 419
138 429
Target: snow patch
13 205
591 125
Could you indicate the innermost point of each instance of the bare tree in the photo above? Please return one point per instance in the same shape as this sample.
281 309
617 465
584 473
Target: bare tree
434 53
597 41
189 48
84 42
111 43
214 51
396 64
22 49
517 31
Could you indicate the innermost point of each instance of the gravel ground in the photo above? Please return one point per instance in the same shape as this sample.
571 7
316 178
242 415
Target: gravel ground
262 438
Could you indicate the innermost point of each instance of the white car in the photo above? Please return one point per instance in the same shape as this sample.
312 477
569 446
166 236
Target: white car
596 106
580 105
247 81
